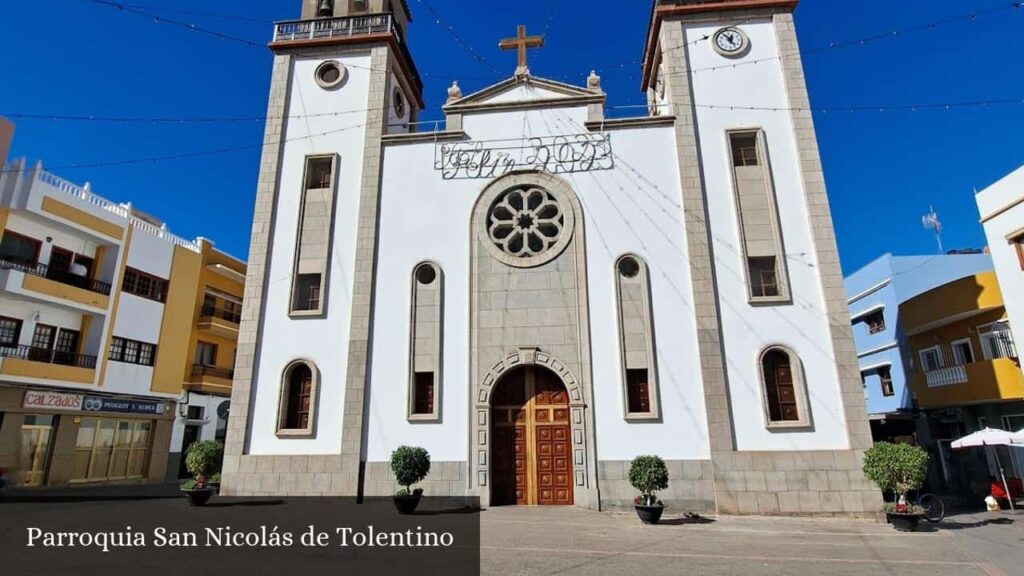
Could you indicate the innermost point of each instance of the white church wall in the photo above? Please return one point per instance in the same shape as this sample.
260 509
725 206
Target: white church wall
324 341
422 217
634 209
746 329
629 213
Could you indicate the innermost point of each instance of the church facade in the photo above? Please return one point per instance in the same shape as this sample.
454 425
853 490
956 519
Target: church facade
537 294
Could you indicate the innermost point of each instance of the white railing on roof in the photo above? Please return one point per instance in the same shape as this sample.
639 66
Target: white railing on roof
119 209
296 30
163 233
81 193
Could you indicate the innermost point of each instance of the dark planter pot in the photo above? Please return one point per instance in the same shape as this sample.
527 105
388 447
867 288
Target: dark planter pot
199 497
904 522
215 486
649 514
407 504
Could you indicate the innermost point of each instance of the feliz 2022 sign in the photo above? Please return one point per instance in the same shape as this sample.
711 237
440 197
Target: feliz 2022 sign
552 154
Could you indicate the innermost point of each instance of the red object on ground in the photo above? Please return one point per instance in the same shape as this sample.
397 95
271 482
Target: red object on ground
1016 488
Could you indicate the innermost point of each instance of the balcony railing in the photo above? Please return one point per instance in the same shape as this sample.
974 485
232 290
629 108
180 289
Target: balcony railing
48 356
199 370
946 376
324 28
62 276
229 315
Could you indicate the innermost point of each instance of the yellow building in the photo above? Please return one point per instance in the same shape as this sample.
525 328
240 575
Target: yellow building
966 374
117 337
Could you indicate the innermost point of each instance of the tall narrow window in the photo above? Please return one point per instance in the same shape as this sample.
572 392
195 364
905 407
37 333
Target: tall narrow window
312 244
759 222
885 374
636 339
298 400
1018 245
785 395
425 343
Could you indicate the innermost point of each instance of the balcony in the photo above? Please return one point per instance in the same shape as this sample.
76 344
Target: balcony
210 379
62 276
946 376
997 380
38 281
219 321
334 28
31 362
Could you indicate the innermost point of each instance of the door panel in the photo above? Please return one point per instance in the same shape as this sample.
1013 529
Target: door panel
531 453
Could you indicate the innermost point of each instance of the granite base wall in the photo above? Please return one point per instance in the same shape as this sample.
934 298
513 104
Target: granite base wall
324 476
445 479
818 483
691 486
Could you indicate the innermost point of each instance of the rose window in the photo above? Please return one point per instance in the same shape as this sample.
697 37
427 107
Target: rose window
525 222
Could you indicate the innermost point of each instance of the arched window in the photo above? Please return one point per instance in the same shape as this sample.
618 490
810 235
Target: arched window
785 394
425 343
636 339
297 410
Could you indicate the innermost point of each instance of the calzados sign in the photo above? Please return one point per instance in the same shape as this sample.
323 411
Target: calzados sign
52 400
552 154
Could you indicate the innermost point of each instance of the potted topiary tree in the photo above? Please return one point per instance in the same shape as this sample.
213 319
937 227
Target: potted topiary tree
409 465
203 460
648 474
898 468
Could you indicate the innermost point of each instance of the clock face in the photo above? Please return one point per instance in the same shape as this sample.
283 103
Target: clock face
730 41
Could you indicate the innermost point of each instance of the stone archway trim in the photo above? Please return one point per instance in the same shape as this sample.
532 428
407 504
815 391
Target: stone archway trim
531 356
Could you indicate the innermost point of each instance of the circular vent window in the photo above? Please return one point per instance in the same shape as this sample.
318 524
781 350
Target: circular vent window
330 74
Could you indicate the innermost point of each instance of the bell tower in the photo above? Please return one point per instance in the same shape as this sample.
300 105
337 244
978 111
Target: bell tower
343 78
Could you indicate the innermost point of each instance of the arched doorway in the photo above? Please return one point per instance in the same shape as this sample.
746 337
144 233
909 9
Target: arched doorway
531 449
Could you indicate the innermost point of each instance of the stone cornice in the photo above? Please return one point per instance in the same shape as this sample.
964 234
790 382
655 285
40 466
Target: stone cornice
641 122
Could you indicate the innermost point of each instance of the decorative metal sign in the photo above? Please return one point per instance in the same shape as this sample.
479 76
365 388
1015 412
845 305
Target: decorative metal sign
552 154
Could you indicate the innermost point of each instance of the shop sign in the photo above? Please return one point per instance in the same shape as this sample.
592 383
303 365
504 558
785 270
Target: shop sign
52 400
123 405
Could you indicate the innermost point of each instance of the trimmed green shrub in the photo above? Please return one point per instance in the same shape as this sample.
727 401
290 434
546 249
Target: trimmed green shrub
648 474
203 460
897 468
409 465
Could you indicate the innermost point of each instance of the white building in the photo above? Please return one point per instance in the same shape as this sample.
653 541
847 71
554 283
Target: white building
537 279
1001 206
102 310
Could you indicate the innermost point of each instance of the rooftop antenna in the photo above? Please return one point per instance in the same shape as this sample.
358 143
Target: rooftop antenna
931 222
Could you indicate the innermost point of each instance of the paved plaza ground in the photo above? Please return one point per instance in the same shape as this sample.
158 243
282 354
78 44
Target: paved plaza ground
537 540
549 541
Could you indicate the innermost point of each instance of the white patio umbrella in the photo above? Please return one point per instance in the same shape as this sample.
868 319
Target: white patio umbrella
990 437
1018 438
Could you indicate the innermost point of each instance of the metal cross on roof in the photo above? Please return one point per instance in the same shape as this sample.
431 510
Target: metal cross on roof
522 43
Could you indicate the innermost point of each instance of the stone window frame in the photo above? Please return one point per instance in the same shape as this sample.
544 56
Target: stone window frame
321 310
435 415
805 421
282 403
330 85
527 179
1016 239
654 415
782 263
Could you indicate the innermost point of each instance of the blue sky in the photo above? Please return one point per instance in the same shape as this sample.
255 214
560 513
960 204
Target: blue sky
884 168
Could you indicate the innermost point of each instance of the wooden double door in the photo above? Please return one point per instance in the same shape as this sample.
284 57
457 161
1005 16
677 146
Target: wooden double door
531 448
